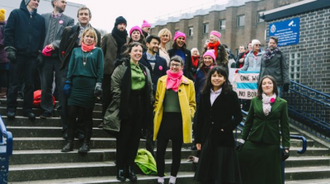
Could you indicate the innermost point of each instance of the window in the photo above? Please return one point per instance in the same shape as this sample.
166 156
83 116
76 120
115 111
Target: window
191 31
205 28
295 66
240 20
258 16
222 24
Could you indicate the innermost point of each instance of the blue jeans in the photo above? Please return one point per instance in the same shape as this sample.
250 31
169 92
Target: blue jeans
51 65
23 69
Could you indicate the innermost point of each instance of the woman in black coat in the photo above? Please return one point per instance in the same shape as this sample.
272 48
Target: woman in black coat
218 115
179 49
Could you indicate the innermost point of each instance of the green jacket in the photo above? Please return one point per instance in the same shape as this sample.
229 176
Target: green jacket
112 116
261 128
146 162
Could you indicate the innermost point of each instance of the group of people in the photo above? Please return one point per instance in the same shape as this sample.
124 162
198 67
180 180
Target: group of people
148 91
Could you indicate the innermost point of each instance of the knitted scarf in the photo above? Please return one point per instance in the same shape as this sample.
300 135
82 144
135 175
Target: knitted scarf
214 46
87 48
270 53
120 37
266 103
195 61
173 80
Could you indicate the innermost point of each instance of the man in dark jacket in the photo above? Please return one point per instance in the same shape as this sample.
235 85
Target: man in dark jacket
273 63
70 40
24 38
55 24
156 64
111 47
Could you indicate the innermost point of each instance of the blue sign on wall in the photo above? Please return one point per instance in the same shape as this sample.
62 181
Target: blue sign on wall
287 31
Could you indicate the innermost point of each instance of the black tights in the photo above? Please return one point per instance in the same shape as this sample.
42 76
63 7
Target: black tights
176 155
87 113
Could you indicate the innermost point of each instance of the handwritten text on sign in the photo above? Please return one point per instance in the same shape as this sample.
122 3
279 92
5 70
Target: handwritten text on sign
245 84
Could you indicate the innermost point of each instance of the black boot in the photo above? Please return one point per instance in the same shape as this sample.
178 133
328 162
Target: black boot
84 148
68 147
131 175
121 175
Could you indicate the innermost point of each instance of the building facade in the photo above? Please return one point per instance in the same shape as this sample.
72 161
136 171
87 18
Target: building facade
238 21
309 59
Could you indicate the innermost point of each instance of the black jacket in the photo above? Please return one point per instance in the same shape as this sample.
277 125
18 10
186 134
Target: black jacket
187 70
224 114
25 32
159 69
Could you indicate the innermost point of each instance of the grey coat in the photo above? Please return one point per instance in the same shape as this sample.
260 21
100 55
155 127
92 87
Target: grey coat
273 68
63 22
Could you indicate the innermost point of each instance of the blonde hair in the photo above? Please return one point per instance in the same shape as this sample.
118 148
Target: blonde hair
165 31
91 32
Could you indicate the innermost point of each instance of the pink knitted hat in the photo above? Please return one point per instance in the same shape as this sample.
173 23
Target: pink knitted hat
210 53
216 33
135 28
179 34
145 24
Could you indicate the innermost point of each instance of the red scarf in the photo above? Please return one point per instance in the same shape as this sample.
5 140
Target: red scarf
214 46
87 48
173 80
195 61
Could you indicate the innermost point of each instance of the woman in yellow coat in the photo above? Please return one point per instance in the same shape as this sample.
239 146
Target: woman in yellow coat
174 109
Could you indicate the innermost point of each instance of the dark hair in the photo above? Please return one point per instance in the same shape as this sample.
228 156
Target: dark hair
275 39
149 38
226 86
142 41
275 90
175 46
131 45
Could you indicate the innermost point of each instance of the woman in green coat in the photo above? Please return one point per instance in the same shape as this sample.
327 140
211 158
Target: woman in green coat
260 155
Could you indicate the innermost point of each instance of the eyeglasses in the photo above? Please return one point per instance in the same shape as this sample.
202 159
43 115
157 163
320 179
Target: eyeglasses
175 65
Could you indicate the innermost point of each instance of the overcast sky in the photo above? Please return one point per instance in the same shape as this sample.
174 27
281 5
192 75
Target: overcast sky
105 12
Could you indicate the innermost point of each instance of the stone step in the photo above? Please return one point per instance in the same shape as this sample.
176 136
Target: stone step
38 112
304 173
309 152
3 103
30 172
40 131
307 161
182 178
317 181
50 122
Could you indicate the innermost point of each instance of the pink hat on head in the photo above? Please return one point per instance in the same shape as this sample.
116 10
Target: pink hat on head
216 33
135 28
145 24
179 34
210 53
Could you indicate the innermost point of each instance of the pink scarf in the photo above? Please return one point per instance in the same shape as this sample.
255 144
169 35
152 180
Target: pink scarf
173 80
87 48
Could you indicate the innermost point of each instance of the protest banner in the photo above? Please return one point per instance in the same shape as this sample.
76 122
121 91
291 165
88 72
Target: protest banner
245 84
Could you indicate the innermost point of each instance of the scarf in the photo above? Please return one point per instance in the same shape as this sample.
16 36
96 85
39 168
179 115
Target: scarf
195 61
87 48
270 53
120 37
215 47
267 101
173 80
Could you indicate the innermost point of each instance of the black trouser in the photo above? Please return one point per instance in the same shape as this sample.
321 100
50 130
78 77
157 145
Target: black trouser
23 69
128 138
106 89
162 142
73 113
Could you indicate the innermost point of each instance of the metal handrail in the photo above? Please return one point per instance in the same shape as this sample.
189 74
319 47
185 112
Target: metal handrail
9 137
6 140
327 97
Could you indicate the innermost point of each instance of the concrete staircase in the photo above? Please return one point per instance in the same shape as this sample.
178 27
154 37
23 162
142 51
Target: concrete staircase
37 156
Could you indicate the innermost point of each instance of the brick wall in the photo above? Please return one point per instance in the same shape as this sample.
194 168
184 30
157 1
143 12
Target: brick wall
314 47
